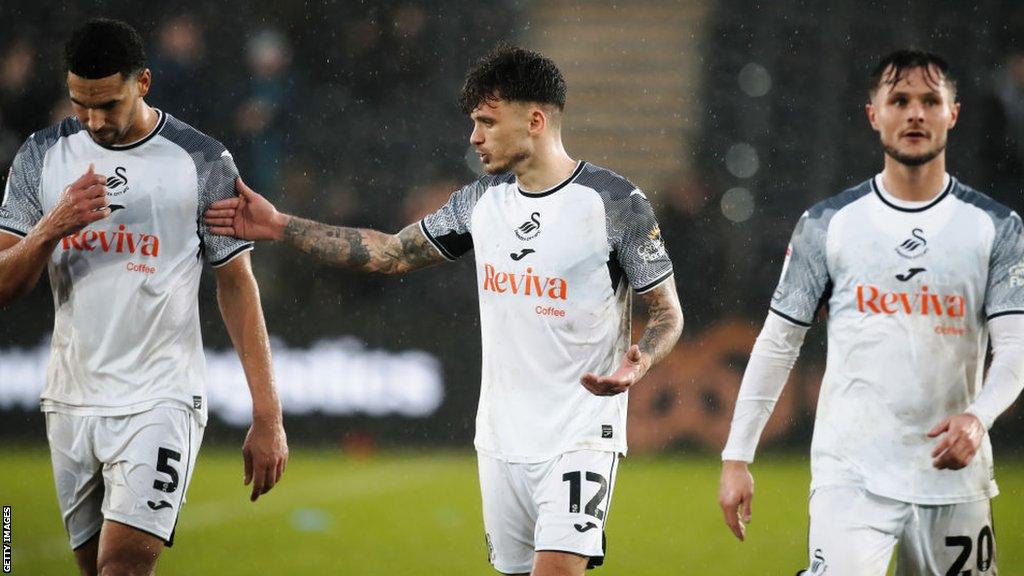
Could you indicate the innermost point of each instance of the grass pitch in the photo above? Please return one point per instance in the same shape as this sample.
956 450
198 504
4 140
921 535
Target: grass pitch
413 514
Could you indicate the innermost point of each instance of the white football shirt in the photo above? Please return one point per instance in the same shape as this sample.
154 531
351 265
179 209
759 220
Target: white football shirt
909 287
126 332
554 270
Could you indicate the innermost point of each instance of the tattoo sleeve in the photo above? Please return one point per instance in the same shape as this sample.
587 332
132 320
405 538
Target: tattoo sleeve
362 249
665 321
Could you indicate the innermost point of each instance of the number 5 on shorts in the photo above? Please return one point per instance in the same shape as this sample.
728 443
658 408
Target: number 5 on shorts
162 466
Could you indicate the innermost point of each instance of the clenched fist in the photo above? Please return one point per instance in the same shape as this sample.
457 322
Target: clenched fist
82 203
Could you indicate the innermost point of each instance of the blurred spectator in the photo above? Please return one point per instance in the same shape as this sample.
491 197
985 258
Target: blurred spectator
20 88
1005 132
60 110
428 198
260 119
692 227
10 140
179 74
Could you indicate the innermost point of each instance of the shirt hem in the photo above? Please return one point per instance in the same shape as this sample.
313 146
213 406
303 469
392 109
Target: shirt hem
435 243
13 231
651 286
991 492
738 456
232 255
47 405
618 448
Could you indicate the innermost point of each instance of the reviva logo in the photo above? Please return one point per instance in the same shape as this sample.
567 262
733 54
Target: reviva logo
528 284
924 303
120 241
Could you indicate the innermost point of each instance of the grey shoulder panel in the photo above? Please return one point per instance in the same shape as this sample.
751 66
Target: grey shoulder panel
829 206
195 143
215 180
488 181
805 278
20 204
481 185
634 237
39 142
998 212
610 185
449 227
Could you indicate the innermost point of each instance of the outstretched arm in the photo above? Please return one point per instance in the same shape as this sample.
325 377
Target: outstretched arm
265 451
252 217
664 325
362 249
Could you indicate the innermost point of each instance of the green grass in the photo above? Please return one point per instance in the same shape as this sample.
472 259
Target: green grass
412 514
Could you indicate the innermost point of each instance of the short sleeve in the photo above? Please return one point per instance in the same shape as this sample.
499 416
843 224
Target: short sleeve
641 251
1004 293
449 228
217 182
805 276
21 209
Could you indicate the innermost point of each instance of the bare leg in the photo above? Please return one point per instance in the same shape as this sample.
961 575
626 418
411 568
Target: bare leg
85 556
548 563
126 551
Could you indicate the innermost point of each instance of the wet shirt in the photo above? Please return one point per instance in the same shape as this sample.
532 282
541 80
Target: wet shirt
126 330
555 270
908 288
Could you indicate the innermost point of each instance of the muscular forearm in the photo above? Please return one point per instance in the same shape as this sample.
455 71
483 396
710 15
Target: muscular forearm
22 264
362 249
240 308
357 248
660 336
664 324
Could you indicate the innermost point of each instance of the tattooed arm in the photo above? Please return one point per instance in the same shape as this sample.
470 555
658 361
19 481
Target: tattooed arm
664 322
361 249
664 325
251 217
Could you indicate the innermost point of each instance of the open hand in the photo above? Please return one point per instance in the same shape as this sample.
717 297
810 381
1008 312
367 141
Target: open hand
248 216
265 453
735 496
633 367
963 436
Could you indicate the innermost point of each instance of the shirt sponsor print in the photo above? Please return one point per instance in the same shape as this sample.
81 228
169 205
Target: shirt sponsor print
653 247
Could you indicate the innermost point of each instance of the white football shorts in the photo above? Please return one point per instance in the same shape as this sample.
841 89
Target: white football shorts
557 505
853 533
130 469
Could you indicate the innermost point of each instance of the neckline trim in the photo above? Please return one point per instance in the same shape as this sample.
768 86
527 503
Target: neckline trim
122 147
945 192
557 187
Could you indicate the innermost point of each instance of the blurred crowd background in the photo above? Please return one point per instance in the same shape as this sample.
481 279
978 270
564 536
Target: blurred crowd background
733 116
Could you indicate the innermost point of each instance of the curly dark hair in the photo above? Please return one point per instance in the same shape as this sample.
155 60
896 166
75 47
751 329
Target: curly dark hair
102 47
902 61
513 74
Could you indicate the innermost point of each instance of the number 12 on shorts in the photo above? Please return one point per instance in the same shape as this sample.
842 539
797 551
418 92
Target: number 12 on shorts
575 489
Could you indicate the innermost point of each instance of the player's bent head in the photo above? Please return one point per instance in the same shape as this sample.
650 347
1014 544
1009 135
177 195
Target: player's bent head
107 76
517 76
895 66
102 47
